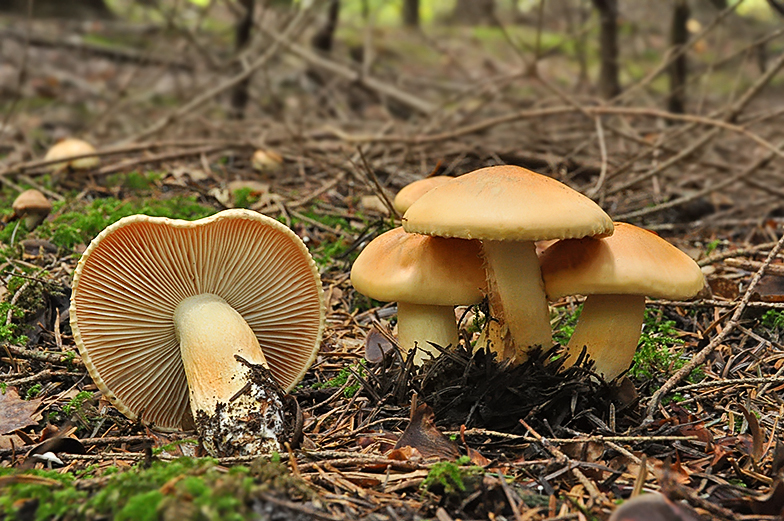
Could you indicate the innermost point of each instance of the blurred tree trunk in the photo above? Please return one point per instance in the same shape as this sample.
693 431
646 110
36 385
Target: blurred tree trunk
679 34
609 84
239 96
71 9
411 13
324 39
474 12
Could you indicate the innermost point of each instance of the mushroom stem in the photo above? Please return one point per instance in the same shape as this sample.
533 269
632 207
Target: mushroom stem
236 412
419 324
609 328
517 297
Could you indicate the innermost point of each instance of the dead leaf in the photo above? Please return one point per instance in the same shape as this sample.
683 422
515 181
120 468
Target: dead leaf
674 472
16 413
376 346
624 392
374 204
778 458
181 175
724 288
256 187
422 434
771 504
589 451
475 456
770 288
404 454
757 436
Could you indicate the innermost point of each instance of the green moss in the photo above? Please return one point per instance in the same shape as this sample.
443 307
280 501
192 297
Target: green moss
73 226
564 323
773 319
33 391
711 247
185 488
336 247
10 332
341 378
75 404
244 198
451 475
654 353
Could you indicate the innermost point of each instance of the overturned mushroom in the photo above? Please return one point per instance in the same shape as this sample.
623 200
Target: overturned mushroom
207 320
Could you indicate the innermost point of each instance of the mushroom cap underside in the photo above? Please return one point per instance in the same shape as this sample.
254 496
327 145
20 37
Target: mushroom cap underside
133 275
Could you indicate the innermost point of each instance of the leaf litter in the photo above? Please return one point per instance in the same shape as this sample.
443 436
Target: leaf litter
464 436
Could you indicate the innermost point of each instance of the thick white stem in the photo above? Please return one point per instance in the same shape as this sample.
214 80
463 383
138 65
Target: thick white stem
515 285
420 324
609 327
224 396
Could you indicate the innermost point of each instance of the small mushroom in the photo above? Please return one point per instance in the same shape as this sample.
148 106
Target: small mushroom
427 277
68 148
413 191
616 274
32 206
178 321
508 208
266 160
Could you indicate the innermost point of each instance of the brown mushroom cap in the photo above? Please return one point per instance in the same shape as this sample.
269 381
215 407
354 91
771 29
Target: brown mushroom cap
419 269
506 203
413 191
633 261
72 147
134 274
31 202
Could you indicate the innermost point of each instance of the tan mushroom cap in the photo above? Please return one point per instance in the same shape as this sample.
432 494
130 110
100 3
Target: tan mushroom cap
31 201
506 203
633 261
413 191
419 269
266 160
134 274
72 147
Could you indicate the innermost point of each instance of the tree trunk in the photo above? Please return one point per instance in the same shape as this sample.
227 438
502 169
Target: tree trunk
474 12
239 96
71 9
609 84
325 37
411 13
679 34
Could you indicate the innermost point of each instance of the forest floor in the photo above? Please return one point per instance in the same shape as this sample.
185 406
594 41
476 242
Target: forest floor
696 418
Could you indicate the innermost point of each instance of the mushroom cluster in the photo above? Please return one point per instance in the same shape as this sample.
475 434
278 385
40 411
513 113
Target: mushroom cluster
515 219
206 321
